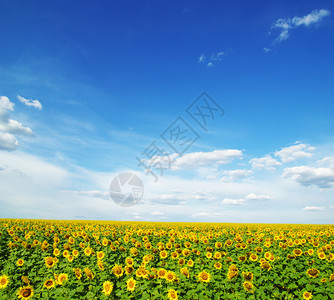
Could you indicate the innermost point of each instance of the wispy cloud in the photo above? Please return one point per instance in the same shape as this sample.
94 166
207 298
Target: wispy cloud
314 208
212 59
29 102
297 151
286 25
265 162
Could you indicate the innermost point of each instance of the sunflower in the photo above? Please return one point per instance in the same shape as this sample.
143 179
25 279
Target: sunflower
20 262
25 280
117 270
129 261
162 273
190 263
3 281
25 292
184 271
297 252
218 265
129 269
107 288
322 255
266 265
331 278
313 273
248 276
204 276
248 286
75 253
49 283
181 261
49 262
77 272
307 295
89 273
88 251
208 255
172 294
61 278
242 258
100 255
170 276
56 252
217 255
100 265
131 284
253 257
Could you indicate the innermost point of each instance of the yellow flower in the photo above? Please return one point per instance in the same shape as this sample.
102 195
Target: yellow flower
20 262
172 294
218 265
89 273
204 276
25 292
77 272
61 278
100 255
163 254
313 273
307 295
131 284
49 283
107 288
49 262
248 276
162 273
3 281
117 270
129 261
248 286
170 276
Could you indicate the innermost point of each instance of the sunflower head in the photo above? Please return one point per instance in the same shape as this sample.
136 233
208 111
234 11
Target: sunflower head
25 292
131 284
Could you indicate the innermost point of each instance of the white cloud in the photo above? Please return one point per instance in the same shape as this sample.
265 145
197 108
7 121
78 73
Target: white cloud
5 106
232 175
314 208
306 175
265 162
29 102
314 17
294 152
228 201
266 49
93 193
8 141
215 57
255 197
202 58
9 128
286 25
204 159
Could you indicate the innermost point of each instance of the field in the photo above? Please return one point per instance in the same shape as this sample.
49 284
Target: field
42 259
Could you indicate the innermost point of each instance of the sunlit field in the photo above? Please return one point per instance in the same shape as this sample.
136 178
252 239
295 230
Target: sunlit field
137 260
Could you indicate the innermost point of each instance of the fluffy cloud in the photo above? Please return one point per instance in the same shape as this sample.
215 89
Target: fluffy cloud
204 159
286 25
306 175
29 102
294 152
265 162
228 201
314 208
8 141
255 197
8 127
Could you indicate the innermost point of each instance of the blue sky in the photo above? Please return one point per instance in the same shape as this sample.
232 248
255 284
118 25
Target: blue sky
109 78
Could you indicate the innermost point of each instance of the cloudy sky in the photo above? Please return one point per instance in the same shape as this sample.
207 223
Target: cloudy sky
89 91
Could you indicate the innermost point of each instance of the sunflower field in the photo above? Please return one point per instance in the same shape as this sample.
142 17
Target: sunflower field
42 259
